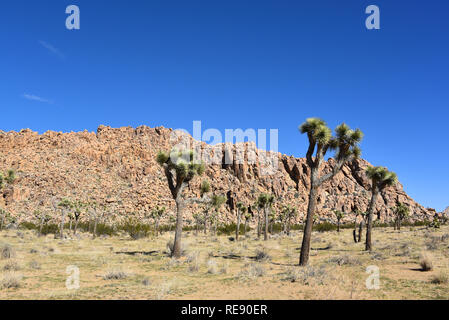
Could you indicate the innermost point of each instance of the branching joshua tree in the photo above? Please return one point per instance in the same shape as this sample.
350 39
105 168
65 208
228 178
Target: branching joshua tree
156 215
241 210
401 212
248 217
287 214
265 201
380 179
180 167
43 220
65 205
79 208
216 202
339 215
345 144
4 217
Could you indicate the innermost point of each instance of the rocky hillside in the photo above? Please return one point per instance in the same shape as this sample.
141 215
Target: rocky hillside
117 167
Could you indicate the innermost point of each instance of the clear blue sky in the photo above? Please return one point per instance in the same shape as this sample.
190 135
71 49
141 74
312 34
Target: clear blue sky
239 64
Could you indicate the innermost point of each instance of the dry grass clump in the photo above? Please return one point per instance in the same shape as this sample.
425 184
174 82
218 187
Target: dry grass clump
307 275
7 251
212 267
35 265
146 282
345 260
115 275
252 271
194 261
262 255
11 265
10 281
163 290
440 278
425 262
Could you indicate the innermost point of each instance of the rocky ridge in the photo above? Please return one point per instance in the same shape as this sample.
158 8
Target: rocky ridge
117 167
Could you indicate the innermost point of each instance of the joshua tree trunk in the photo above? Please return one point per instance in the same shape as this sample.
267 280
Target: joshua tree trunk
41 226
177 249
368 244
246 226
259 227
206 218
63 214
237 229
76 225
265 235
361 226
338 225
305 247
288 226
95 227
156 227
70 225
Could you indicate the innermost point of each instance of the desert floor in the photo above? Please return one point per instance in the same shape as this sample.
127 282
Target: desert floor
218 268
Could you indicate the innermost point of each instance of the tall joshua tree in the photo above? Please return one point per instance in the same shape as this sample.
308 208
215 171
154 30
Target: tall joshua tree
339 215
65 206
380 179
265 201
157 214
248 216
345 144
401 211
180 168
241 209
216 202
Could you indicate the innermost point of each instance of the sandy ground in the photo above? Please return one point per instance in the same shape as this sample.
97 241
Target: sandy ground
217 268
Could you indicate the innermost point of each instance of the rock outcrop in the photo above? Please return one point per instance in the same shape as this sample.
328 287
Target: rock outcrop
117 168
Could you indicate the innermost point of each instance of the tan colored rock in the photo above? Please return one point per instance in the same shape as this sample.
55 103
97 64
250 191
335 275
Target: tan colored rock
117 167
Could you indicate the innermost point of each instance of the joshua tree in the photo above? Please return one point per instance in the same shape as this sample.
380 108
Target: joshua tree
79 207
380 179
354 232
216 202
265 201
401 211
180 168
65 206
198 221
241 209
156 214
248 216
345 143
5 215
339 215
287 214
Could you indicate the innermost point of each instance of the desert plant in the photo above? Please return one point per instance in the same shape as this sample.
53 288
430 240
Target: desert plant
265 202
320 142
262 255
10 281
4 216
440 278
380 179
241 209
248 216
115 274
436 223
401 212
426 262
180 167
7 251
157 214
65 205
216 202
339 215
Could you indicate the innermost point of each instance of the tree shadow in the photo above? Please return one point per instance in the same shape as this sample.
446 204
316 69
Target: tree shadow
133 253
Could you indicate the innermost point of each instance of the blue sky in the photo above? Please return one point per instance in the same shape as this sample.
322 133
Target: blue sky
239 64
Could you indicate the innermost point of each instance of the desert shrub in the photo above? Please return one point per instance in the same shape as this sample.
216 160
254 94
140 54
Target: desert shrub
324 226
11 265
345 260
115 275
377 255
194 261
135 229
425 262
440 278
146 282
262 255
252 271
7 251
35 265
170 247
212 267
228 229
33 251
307 275
10 281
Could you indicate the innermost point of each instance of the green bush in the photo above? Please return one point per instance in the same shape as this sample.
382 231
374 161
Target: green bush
135 229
